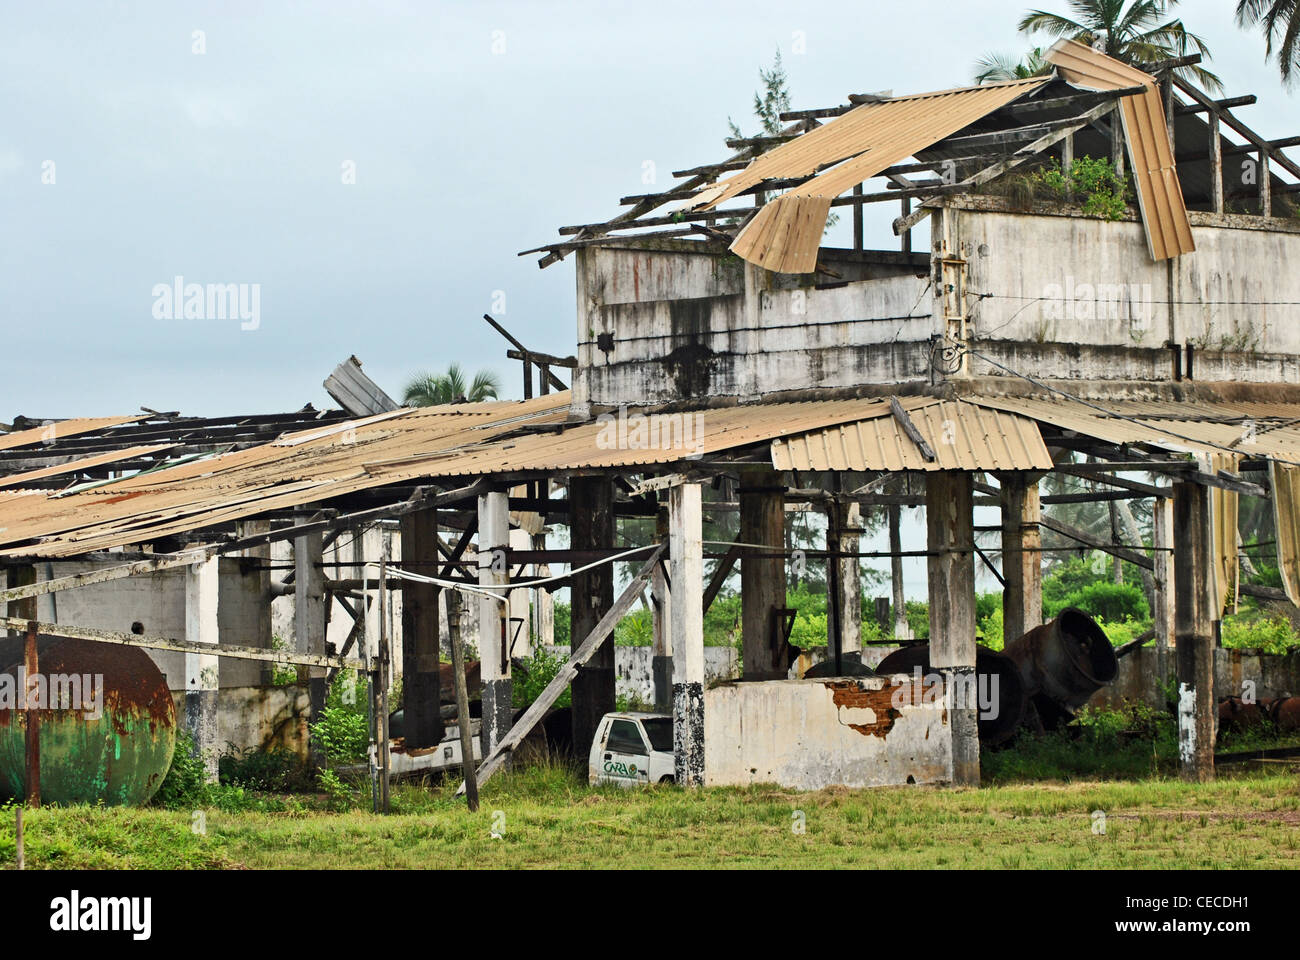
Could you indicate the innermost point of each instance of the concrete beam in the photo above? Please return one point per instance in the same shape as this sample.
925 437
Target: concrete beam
421 724
309 612
1162 607
661 618
850 580
687 575
1022 561
1194 630
493 541
950 534
202 671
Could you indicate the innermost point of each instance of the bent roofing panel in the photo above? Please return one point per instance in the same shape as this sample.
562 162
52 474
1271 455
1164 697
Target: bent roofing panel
962 435
1160 196
63 428
85 463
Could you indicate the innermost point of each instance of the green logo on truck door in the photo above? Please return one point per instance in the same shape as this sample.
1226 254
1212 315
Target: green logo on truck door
617 768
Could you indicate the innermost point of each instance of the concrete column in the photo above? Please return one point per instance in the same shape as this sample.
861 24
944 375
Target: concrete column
1022 559
850 598
1162 607
591 597
309 613
661 618
202 671
902 630
543 601
520 627
421 725
950 534
687 575
251 528
762 577
1194 630
494 666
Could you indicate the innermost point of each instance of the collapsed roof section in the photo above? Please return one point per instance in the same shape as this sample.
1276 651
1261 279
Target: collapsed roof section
971 137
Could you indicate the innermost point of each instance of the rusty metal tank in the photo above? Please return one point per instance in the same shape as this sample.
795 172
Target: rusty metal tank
108 738
1065 661
995 725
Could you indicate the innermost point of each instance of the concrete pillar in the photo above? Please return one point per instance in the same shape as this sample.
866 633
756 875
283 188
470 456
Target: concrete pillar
494 666
520 627
850 581
309 613
262 553
762 576
421 725
543 601
1022 559
1162 606
687 576
950 534
661 620
1194 630
902 630
591 597
202 671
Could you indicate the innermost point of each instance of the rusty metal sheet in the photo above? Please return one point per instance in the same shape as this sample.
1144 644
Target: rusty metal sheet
1146 133
63 428
85 463
963 436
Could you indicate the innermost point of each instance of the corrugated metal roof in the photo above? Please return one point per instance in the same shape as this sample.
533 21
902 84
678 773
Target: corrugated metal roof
785 234
963 436
73 466
62 428
1155 175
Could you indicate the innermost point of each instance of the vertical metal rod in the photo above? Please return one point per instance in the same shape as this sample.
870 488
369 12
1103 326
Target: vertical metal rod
857 220
32 668
463 721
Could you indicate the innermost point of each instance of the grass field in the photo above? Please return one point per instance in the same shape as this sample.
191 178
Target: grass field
546 818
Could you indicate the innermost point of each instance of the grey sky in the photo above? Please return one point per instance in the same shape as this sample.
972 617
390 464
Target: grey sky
227 167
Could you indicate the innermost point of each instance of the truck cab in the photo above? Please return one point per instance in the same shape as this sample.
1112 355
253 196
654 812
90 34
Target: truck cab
631 749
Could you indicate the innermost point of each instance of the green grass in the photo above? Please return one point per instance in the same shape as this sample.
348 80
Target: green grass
547 817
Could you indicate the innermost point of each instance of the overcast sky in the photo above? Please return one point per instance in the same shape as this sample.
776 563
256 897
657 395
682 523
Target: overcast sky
473 129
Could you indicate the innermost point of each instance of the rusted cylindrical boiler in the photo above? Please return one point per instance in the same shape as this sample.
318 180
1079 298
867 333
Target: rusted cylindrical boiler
996 674
1066 660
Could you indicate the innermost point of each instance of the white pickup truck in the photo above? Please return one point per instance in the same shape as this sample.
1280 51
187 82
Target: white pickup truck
631 749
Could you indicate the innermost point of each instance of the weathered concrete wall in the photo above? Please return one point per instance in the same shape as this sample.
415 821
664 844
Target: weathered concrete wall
156 603
1075 297
809 734
634 666
1139 677
260 718
660 327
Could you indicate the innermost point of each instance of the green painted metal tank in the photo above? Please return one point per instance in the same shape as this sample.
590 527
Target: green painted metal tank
108 733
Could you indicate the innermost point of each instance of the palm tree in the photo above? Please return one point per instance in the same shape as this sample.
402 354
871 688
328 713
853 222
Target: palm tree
431 390
1279 20
1002 67
1128 30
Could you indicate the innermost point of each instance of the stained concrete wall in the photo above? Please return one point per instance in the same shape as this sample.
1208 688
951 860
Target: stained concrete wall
1139 676
809 734
156 603
259 718
1052 296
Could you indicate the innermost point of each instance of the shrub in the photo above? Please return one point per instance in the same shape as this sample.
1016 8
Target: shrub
1105 600
532 677
1268 634
184 786
343 734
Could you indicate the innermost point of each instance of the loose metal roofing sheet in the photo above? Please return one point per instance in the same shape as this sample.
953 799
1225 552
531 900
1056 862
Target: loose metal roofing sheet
62 428
785 234
1150 150
85 463
963 436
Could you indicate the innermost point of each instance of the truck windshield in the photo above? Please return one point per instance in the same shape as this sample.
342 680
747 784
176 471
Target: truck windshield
660 732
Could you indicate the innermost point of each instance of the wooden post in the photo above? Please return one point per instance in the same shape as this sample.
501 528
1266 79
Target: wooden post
905 238
1022 558
1162 608
857 220
202 672
463 722
901 629
950 534
309 614
493 539
1117 140
1067 166
591 527
687 576
762 572
1265 186
1194 638
421 722
661 612
32 744
1216 163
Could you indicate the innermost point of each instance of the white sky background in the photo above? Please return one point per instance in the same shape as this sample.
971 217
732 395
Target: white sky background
226 167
